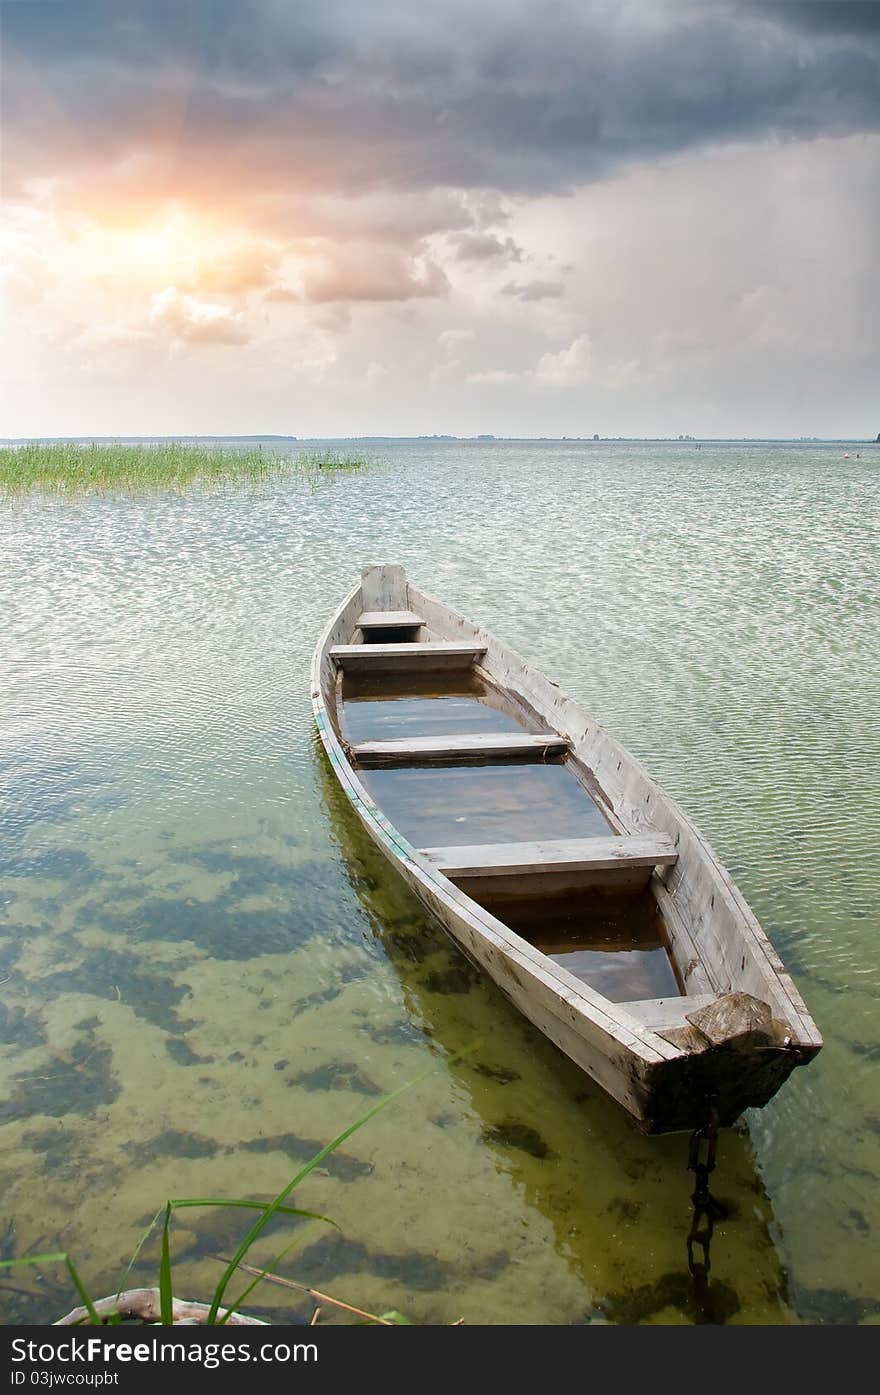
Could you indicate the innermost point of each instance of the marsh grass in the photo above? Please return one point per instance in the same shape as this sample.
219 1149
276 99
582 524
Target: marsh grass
72 468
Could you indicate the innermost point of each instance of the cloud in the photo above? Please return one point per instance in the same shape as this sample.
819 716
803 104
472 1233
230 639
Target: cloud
369 272
493 377
451 339
394 216
197 321
282 294
841 17
485 246
376 373
450 342
247 266
569 367
763 318
21 286
270 103
534 290
453 193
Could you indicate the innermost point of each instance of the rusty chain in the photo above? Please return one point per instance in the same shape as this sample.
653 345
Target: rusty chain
706 1209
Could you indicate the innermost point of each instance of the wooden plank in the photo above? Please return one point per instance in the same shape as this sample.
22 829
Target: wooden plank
381 619
384 588
692 972
388 657
493 745
662 1013
563 855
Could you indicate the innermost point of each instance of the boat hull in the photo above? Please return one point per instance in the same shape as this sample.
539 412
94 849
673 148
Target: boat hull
736 1052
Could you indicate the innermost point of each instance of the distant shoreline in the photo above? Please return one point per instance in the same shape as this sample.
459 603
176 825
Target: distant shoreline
483 440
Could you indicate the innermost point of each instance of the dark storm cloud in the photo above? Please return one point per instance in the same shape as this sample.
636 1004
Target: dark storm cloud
353 98
852 17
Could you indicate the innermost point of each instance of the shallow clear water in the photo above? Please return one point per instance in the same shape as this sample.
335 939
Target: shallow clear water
205 970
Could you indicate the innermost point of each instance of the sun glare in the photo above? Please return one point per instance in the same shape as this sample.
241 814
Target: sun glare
170 240
167 247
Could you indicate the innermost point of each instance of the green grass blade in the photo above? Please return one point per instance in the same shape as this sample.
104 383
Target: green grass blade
258 1279
166 1305
282 1196
137 1249
209 1201
184 1202
81 1290
33 1259
59 1257
270 1268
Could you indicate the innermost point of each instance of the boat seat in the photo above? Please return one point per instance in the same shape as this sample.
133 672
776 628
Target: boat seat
394 657
388 619
559 855
414 750
662 1013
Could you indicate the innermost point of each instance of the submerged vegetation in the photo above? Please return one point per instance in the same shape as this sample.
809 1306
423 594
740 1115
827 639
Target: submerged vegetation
71 468
160 1305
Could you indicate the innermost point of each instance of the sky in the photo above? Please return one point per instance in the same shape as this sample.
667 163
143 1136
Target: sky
354 218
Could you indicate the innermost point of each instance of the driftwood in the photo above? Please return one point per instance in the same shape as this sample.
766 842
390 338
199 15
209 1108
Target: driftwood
143 1305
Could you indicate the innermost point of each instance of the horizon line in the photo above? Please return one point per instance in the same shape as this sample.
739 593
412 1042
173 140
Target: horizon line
483 438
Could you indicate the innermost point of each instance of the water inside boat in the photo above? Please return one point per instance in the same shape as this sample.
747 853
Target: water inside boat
513 802
379 707
611 939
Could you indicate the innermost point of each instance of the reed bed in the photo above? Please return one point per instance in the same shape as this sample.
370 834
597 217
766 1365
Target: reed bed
72 468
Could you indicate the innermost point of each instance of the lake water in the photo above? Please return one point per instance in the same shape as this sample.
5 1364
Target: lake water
206 971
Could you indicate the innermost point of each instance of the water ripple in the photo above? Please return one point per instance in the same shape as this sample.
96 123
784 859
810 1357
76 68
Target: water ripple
165 849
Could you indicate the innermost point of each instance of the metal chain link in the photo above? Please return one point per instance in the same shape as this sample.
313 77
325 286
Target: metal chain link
706 1209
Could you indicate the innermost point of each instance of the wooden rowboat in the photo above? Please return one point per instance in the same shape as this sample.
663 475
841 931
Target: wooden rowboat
554 861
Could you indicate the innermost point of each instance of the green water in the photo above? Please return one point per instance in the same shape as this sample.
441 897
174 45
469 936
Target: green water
205 971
